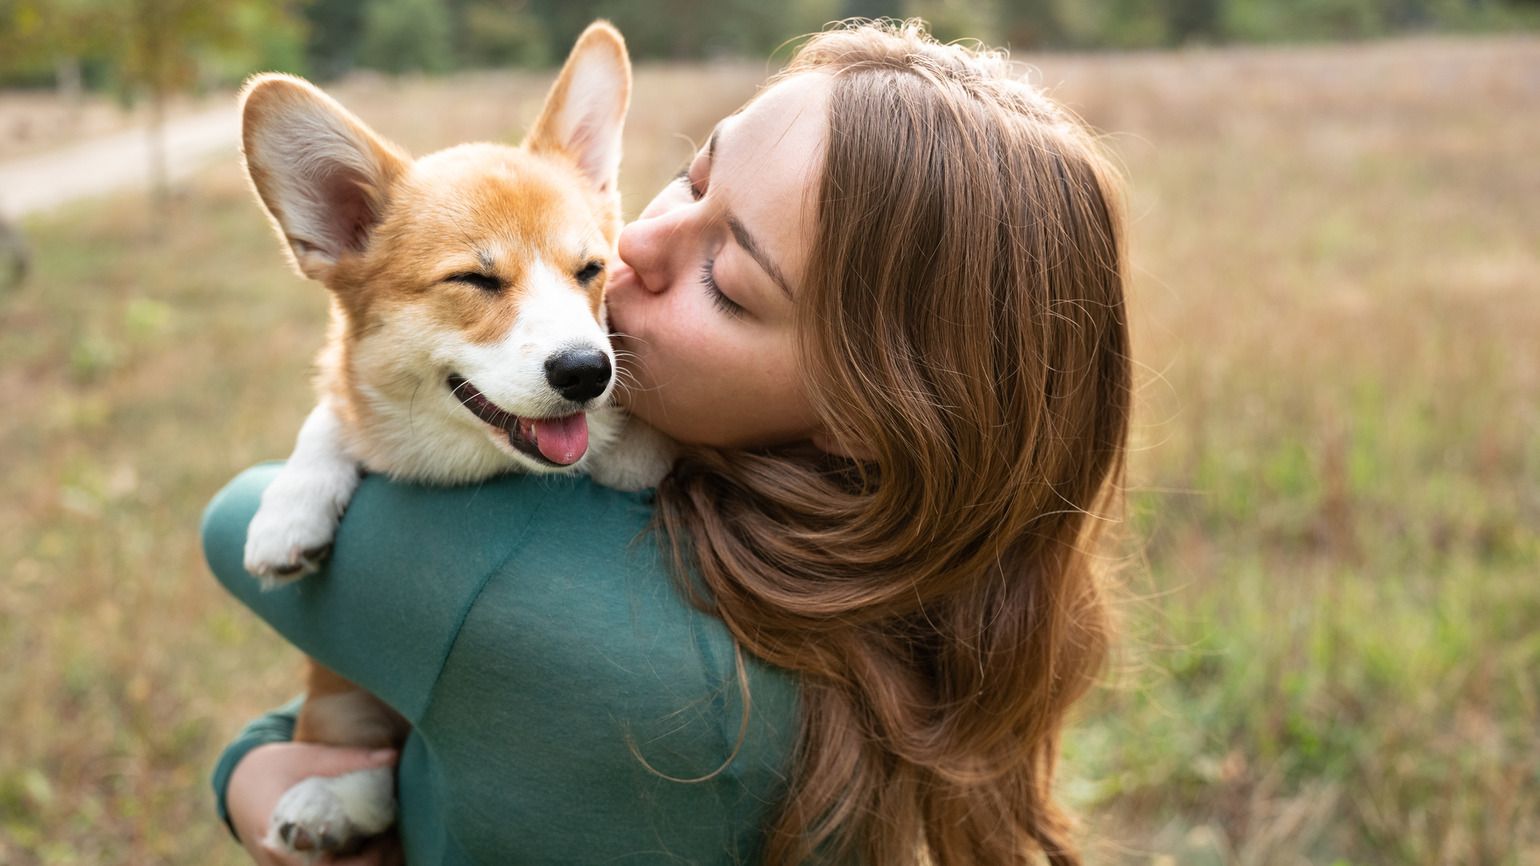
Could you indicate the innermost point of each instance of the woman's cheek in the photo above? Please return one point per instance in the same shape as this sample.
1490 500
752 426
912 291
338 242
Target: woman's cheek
684 316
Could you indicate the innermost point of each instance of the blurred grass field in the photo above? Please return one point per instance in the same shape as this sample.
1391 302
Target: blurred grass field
1332 599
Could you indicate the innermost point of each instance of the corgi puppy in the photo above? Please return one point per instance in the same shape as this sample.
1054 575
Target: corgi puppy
467 338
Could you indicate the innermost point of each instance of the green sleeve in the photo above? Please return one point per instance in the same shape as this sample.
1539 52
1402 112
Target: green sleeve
276 726
407 564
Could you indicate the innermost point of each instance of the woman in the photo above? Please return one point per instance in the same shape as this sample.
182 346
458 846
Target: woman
884 305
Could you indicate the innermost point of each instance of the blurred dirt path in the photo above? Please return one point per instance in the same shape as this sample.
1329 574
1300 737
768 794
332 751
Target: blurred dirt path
113 162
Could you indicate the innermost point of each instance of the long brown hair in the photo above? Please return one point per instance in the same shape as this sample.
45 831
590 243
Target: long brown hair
962 325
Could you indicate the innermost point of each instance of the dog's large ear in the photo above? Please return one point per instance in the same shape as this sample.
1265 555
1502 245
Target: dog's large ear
586 108
323 175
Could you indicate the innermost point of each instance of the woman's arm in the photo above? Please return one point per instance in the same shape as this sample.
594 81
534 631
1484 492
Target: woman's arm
406 566
275 726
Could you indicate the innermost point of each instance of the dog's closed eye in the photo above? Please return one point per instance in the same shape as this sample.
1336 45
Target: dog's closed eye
589 272
485 282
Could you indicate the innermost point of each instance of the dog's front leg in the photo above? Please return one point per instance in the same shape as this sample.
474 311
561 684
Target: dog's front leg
334 815
297 520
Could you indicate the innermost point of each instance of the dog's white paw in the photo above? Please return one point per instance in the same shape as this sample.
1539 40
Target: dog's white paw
333 815
292 532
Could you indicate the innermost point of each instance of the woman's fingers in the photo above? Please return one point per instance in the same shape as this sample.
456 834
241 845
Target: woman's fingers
336 760
384 851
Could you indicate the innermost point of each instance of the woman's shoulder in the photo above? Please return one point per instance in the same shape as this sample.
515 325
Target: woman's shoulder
486 514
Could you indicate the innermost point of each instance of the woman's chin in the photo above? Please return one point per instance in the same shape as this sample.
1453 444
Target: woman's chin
645 408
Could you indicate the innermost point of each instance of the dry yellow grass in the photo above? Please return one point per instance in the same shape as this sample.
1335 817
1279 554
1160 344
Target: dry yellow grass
1336 482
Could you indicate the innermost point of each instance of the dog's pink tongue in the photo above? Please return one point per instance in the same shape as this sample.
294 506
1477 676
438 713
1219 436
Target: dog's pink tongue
562 440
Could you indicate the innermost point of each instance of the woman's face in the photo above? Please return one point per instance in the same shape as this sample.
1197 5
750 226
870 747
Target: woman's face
702 302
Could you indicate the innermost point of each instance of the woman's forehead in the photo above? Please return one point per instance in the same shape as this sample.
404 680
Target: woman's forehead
795 104
768 156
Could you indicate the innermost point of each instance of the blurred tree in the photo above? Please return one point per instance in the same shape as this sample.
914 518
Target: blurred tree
1260 20
160 45
14 256
563 20
406 36
1031 24
1191 20
335 28
688 29
268 37
871 9
957 19
42 40
668 28
799 18
759 28
501 33
1116 23
1409 13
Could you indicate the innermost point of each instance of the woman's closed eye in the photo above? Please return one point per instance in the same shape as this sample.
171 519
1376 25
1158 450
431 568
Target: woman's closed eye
684 177
700 163
727 305
708 280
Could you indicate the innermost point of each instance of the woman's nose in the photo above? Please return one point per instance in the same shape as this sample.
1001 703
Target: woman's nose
644 247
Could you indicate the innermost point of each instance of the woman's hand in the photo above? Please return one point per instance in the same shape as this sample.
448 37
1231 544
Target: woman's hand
267 771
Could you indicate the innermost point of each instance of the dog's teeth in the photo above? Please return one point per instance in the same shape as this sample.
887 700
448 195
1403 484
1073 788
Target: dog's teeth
522 432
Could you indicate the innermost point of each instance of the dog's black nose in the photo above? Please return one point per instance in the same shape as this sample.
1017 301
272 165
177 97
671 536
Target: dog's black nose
578 374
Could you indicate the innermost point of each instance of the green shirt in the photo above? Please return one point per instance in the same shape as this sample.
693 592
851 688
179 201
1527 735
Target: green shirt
530 631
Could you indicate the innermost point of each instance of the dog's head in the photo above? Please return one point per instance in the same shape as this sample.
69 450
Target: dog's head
470 281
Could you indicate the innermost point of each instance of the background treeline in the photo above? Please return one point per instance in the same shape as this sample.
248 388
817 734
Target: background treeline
134 46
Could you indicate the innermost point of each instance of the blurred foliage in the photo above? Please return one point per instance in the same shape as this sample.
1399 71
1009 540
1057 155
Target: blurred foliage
188 42
497 34
406 35
145 49
139 47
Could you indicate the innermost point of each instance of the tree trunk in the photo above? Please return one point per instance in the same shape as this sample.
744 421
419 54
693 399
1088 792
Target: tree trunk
1032 25
13 256
67 78
160 174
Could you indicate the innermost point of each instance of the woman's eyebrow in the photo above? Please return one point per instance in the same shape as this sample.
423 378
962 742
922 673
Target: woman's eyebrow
741 234
757 253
